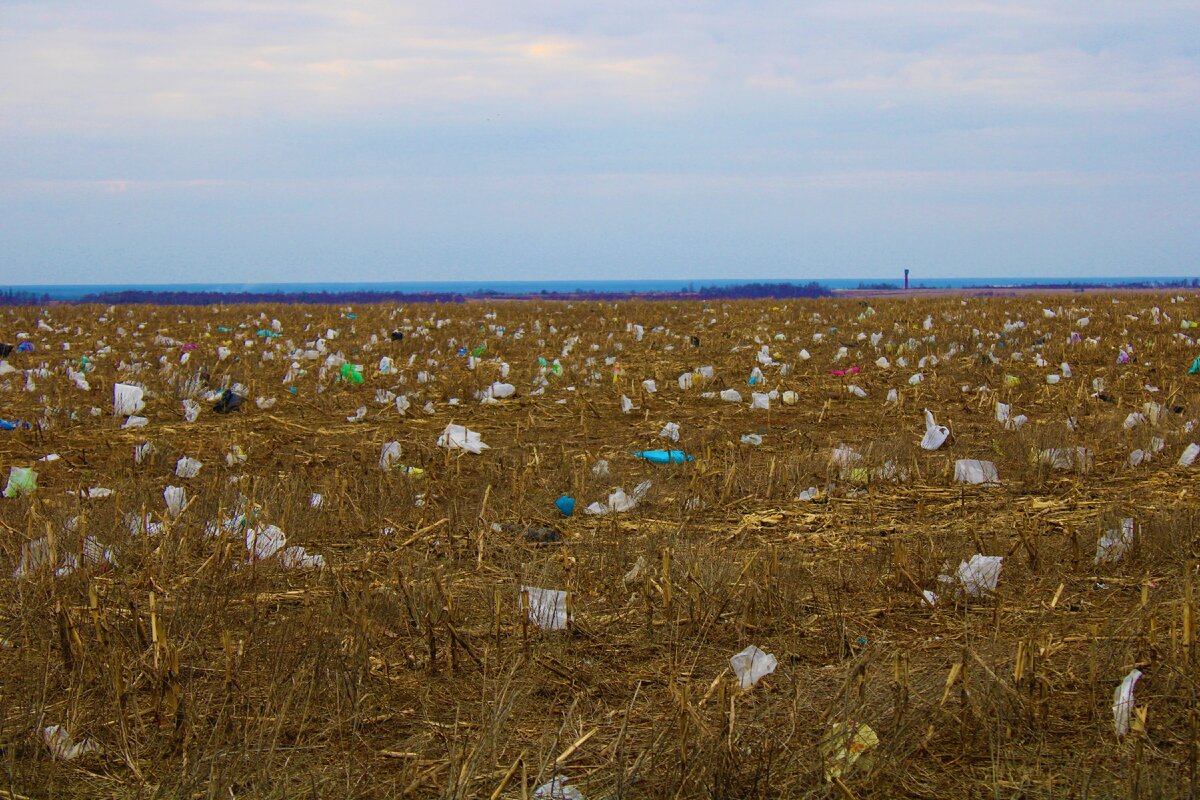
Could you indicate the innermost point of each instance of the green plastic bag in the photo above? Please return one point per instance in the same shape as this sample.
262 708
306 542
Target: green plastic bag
21 481
352 373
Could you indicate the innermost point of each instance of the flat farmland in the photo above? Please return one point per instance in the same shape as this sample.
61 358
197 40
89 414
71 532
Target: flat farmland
251 551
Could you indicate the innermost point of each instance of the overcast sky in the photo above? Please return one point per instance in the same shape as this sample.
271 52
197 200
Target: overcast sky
230 140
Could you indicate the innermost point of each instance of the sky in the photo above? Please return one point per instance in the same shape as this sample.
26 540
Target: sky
253 140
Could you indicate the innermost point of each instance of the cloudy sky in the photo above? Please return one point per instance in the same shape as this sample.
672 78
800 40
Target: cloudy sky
262 140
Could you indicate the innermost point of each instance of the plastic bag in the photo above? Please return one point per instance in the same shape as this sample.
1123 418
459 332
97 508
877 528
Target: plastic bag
663 456
187 467
751 665
980 574
127 399
935 435
970 470
1113 544
21 481
1123 702
547 607
458 437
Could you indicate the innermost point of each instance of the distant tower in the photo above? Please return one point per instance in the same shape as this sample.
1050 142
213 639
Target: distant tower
906 280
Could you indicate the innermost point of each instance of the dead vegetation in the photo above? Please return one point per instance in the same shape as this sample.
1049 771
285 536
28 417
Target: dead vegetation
409 664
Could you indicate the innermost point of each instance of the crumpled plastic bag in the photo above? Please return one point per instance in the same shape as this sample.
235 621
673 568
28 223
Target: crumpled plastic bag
176 499
670 431
187 467
618 501
62 746
458 437
557 789
264 542
847 746
980 574
1113 544
751 665
21 481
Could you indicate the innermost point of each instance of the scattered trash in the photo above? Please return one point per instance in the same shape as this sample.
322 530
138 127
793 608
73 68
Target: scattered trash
566 505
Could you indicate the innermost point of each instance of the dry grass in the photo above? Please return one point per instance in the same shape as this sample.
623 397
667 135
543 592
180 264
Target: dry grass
406 667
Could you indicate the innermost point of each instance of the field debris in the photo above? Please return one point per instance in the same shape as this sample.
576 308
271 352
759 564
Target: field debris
466 550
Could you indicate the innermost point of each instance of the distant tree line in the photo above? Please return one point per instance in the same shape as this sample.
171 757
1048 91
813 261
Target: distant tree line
12 297
752 291
167 298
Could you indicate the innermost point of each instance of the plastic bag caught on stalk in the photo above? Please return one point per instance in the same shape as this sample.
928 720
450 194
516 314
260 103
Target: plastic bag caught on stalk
295 557
846 747
176 499
1123 702
547 607
1114 544
127 399
557 789
21 481
970 470
264 542
935 435
980 574
187 467
751 665
389 456
458 437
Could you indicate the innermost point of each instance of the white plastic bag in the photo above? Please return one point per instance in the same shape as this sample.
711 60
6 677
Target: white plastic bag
187 467
970 470
547 607
751 665
176 499
1113 544
935 435
458 437
127 399
980 574
1123 702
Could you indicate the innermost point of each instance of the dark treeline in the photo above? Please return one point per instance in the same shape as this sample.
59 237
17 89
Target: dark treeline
752 291
15 298
138 296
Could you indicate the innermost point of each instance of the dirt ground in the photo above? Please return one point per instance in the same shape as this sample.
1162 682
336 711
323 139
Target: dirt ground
179 658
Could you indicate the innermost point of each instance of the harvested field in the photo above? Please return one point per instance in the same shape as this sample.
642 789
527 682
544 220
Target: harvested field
185 652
